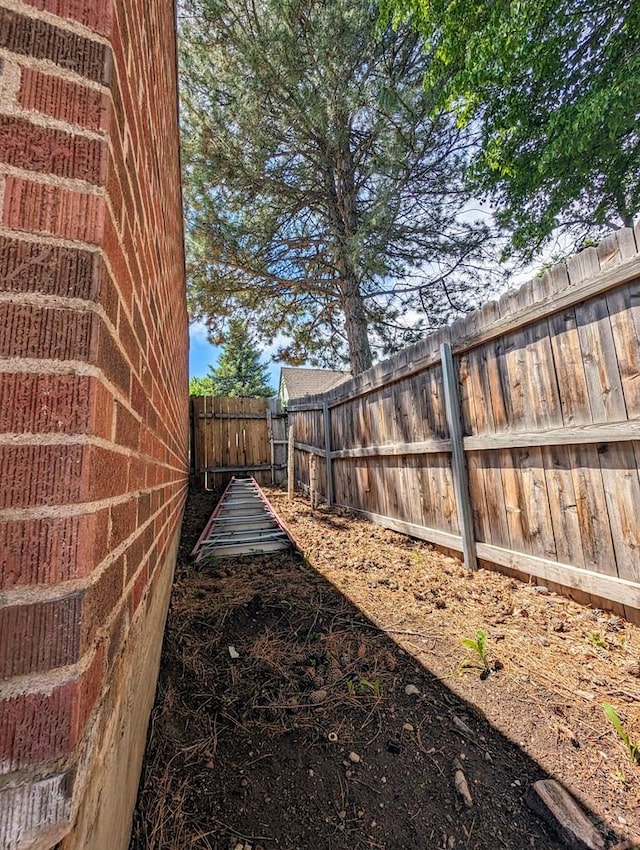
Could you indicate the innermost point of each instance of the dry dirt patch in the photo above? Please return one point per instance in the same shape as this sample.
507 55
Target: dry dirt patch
309 738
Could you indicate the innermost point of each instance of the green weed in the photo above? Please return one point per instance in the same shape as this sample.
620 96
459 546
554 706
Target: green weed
633 747
479 647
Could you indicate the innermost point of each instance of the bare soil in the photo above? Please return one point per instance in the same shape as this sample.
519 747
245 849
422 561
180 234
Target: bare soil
309 739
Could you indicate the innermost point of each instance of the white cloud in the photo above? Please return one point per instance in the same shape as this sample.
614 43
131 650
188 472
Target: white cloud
198 332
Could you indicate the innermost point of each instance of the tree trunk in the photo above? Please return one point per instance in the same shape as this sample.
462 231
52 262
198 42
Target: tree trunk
355 321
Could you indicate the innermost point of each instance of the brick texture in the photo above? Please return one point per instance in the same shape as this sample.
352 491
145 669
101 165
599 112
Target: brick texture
93 390
47 209
51 151
41 40
62 99
48 269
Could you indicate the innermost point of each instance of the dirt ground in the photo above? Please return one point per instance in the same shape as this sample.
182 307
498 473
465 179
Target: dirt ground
353 702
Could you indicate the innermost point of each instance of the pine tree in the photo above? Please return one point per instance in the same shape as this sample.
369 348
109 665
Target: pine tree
239 371
323 192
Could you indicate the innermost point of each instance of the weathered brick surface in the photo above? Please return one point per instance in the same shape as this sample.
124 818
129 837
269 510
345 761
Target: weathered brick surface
96 16
62 99
42 149
93 394
49 209
54 333
49 269
45 403
42 727
48 551
32 37
40 636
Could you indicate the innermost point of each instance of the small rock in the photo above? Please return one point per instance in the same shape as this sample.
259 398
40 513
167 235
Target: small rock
234 654
407 727
354 757
310 772
333 737
542 590
239 846
545 641
411 690
316 697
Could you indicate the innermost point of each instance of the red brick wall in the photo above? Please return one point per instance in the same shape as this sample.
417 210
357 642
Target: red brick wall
93 385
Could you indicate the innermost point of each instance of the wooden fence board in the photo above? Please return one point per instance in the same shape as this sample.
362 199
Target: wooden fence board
232 435
549 381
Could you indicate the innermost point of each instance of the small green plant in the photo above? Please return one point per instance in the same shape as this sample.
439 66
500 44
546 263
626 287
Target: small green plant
364 686
479 647
416 556
633 747
597 640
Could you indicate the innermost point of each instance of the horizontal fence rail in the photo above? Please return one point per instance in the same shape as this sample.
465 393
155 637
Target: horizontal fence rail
512 436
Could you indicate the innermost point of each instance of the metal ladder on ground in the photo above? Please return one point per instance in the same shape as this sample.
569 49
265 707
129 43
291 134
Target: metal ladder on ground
243 523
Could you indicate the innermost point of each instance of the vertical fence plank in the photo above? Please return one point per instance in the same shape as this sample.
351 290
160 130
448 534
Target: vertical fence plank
458 462
291 483
327 447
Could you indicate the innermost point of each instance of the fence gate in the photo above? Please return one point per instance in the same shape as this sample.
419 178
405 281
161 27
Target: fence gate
231 436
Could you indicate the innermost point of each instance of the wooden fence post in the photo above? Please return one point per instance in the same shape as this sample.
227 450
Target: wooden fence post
458 460
290 463
272 457
313 481
327 448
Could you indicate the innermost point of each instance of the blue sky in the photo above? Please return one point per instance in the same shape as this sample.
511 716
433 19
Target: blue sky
202 354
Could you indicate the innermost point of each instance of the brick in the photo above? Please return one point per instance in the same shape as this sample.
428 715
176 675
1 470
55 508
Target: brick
39 636
102 403
42 149
144 508
32 37
127 428
104 474
134 556
34 403
37 727
108 295
40 727
64 100
110 359
97 15
49 269
59 334
39 475
100 599
48 209
48 551
123 522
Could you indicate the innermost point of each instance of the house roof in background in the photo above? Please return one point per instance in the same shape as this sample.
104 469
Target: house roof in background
300 382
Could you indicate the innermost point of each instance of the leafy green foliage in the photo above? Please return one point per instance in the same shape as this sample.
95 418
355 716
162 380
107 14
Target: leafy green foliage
553 88
322 187
478 646
633 747
239 371
200 386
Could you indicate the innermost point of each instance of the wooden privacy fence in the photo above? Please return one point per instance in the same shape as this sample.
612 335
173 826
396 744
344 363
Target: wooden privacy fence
512 436
231 436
